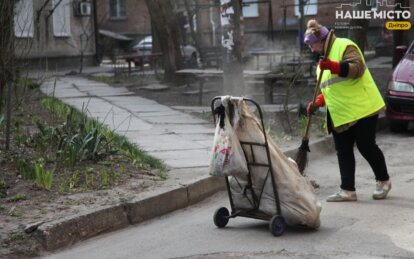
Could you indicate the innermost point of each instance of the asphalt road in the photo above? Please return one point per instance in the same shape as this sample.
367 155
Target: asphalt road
363 229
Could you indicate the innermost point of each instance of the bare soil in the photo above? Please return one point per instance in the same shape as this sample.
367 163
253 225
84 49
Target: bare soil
74 188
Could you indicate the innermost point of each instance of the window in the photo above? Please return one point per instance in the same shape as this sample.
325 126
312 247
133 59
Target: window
310 7
23 19
117 9
250 10
61 18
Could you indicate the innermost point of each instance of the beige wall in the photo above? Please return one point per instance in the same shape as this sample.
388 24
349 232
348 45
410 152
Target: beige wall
45 45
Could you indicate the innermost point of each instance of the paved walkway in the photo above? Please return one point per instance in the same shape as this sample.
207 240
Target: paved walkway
179 139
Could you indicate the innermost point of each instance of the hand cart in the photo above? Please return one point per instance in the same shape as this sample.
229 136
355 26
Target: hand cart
277 223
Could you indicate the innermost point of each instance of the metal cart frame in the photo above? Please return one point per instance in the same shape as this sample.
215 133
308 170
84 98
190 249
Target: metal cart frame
277 223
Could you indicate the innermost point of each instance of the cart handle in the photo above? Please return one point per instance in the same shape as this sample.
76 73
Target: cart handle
215 99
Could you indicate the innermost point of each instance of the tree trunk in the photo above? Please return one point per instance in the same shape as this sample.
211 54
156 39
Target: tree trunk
167 32
400 37
233 81
7 58
190 14
358 31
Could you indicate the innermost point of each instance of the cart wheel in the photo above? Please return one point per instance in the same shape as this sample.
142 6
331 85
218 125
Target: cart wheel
221 217
277 225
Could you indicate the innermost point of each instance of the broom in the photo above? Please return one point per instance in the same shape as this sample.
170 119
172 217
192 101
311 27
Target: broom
301 157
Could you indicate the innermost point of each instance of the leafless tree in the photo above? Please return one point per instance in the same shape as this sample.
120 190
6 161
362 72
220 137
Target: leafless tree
166 27
7 59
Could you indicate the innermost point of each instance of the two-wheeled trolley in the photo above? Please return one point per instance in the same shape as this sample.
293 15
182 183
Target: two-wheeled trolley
222 215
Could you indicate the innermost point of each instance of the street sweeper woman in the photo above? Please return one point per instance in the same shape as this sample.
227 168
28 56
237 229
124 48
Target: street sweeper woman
353 103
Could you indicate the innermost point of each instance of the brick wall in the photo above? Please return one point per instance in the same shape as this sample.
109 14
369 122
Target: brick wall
136 23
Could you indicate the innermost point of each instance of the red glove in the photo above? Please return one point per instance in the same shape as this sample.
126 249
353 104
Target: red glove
319 102
331 65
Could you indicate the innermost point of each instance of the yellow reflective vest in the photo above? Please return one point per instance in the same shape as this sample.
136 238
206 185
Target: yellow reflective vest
349 99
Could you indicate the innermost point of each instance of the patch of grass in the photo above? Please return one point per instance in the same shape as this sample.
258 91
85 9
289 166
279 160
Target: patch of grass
73 183
43 177
3 189
26 82
24 167
31 252
57 154
15 237
20 138
108 79
15 213
139 157
1 121
96 133
18 197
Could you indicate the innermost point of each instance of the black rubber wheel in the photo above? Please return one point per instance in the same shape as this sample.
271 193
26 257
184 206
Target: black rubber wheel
221 217
277 225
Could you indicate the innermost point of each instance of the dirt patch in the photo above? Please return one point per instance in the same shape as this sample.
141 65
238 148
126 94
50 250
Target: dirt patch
24 196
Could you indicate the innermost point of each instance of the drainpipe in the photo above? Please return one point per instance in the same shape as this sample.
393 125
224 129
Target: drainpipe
213 25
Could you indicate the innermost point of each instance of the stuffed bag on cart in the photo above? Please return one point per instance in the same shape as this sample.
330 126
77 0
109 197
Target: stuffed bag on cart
298 200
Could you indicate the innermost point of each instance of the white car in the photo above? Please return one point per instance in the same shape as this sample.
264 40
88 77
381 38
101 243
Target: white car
189 52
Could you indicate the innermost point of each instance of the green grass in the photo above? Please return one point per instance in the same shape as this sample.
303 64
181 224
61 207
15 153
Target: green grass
108 79
138 157
27 83
19 197
15 237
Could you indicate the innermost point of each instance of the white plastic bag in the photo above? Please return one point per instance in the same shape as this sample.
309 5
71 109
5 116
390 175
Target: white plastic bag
227 157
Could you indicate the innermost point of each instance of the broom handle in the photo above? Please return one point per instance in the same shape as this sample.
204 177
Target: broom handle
318 83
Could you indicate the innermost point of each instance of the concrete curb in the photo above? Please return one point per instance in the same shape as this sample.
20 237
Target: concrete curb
67 231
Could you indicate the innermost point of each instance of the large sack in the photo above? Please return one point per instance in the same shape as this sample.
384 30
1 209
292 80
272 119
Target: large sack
299 204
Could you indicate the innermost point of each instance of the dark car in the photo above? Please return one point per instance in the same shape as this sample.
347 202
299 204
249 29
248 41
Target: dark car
400 93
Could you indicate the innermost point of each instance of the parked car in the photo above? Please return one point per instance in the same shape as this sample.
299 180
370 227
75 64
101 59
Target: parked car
189 52
400 93
144 46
